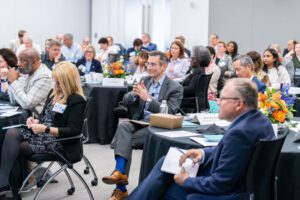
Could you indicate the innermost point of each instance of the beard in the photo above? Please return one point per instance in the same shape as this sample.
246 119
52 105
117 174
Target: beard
27 69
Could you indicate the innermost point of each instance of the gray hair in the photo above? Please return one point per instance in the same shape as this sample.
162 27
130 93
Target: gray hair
162 56
68 35
54 43
246 90
201 54
245 60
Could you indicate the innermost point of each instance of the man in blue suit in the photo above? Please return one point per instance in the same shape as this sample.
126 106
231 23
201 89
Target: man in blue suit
244 68
223 168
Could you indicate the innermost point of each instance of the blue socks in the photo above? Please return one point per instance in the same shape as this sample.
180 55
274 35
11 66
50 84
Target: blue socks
122 188
120 165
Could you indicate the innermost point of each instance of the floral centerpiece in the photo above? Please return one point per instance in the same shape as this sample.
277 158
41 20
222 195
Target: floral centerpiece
276 105
114 70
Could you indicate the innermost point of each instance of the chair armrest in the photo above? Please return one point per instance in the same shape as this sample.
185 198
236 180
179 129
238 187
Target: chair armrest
65 139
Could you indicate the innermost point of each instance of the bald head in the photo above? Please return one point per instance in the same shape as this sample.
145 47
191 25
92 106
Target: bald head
29 61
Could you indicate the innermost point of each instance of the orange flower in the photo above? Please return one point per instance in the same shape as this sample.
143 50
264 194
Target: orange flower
279 116
276 96
262 97
274 105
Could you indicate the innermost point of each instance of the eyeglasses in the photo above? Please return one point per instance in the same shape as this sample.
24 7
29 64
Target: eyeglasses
148 64
89 52
225 98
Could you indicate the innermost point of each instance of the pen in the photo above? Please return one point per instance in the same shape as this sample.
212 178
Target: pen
188 157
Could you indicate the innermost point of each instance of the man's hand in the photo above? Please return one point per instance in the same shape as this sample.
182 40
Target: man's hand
140 90
181 177
56 59
194 154
31 121
12 75
38 128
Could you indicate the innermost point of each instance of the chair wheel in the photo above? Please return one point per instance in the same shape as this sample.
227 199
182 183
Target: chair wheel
94 182
71 190
86 170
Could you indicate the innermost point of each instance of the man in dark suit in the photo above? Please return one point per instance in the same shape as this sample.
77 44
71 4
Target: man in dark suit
244 68
223 168
145 98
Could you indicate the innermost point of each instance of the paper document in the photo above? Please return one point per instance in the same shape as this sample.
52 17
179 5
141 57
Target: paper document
15 126
171 163
210 118
213 138
294 90
204 142
9 114
187 124
175 134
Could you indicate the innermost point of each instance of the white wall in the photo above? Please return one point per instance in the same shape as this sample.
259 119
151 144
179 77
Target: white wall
43 19
255 24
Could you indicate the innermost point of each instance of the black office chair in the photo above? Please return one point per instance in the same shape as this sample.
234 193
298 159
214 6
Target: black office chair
200 101
64 163
261 173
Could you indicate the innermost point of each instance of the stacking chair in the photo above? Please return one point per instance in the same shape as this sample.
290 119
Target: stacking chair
64 163
261 173
200 98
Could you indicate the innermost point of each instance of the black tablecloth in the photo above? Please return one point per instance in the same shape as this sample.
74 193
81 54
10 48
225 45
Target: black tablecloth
101 121
288 171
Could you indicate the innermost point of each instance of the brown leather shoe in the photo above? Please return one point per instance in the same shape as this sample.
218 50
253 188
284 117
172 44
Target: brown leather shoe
118 195
116 178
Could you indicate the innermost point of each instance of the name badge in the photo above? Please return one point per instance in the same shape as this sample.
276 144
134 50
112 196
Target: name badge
59 108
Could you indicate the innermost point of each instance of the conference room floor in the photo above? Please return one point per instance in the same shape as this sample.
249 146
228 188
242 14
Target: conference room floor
102 158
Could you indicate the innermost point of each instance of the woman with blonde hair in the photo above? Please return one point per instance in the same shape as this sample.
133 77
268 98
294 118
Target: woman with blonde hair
62 116
88 63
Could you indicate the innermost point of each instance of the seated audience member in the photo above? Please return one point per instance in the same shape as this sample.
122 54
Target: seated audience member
50 125
216 73
46 46
200 59
53 55
244 68
85 43
145 98
296 61
8 59
27 44
288 52
105 50
59 38
232 49
285 62
223 168
146 38
141 69
31 89
223 60
178 65
182 40
88 63
113 46
134 51
258 65
71 51
214 41
16 43
277 74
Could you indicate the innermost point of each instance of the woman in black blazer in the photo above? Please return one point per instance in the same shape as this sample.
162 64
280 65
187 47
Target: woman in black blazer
88 63
200 58
61 117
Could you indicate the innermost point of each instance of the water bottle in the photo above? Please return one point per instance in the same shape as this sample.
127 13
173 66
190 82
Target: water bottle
163 107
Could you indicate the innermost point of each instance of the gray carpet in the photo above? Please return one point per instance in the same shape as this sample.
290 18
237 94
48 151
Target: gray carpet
102 158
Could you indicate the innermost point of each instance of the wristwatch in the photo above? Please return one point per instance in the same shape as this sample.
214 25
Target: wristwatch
47 130
149 99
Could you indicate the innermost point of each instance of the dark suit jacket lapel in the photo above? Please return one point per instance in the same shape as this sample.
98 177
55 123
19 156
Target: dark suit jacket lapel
163 89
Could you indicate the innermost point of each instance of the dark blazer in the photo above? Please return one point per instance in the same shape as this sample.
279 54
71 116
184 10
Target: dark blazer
151 47
225 166
69 124
260 85
189 84
170 91
95 67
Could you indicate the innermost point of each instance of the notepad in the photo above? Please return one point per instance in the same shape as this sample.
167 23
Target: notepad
213 138
175 134
187 124
171 163
15 126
